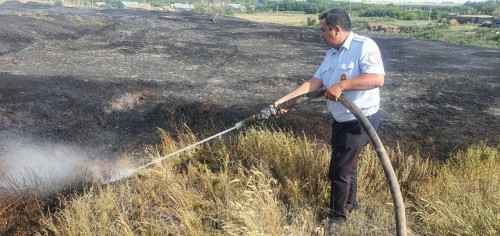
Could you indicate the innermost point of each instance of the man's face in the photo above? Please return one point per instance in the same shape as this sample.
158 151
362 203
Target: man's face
331 36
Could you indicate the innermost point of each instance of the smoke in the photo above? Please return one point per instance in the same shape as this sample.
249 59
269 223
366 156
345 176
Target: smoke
46 168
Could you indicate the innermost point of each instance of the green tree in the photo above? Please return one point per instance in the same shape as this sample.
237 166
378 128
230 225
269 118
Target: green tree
489 7
436 15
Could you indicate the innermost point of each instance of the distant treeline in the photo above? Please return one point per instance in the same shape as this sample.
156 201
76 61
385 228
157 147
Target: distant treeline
400 12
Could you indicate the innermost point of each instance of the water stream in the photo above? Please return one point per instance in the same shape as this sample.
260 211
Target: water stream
127 173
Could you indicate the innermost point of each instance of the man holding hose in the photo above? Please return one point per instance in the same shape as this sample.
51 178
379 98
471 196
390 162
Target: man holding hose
353 67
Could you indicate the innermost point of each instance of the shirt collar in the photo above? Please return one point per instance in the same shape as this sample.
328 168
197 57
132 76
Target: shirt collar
345 45
348 40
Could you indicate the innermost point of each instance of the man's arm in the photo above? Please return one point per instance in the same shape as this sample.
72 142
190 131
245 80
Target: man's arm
305 87
362 82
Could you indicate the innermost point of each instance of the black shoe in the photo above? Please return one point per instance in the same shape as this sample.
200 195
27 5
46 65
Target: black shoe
350 207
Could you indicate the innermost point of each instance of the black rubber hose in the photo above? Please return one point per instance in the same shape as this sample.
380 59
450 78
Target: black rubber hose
397 197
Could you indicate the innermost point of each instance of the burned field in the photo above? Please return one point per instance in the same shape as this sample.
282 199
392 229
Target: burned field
103 80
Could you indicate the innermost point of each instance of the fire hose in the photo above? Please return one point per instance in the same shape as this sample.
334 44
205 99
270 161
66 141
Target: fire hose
397 197
272 111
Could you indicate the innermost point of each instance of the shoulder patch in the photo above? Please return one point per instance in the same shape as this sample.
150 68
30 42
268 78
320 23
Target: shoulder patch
374 58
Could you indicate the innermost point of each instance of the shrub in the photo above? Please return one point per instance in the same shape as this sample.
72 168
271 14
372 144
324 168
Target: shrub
311 21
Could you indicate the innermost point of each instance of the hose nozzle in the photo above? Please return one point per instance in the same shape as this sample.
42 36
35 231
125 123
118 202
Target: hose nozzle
267 113
273 110
263 115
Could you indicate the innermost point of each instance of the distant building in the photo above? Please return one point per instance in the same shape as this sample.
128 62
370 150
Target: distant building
130 4
496 22
182 6
476 19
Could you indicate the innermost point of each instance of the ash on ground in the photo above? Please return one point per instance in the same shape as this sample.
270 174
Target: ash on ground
106 79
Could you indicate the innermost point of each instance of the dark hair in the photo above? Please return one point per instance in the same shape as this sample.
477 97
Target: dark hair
337 16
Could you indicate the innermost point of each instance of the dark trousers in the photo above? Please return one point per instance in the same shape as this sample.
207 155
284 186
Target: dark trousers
348 139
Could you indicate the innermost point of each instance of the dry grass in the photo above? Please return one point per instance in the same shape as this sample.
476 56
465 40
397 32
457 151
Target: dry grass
284 18
264 182
464 198
82 21
18 214
39 14
182 197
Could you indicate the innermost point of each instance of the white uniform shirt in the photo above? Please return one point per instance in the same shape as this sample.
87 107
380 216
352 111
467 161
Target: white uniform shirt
358 55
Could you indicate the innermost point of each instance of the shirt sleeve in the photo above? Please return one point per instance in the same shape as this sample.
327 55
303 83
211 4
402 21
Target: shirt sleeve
371 60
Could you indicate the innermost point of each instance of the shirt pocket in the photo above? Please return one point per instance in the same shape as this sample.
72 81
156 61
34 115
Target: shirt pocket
326 69
345 69
326 73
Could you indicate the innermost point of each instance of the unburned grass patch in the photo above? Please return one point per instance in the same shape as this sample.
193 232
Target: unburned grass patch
83 21
464 196
285 18
40 15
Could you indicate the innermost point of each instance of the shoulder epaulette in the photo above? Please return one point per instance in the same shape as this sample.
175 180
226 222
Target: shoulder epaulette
359 38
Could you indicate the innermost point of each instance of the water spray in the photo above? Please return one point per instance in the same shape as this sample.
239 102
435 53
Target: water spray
42 168
130 172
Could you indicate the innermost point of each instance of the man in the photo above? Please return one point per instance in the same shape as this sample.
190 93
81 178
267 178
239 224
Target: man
353 67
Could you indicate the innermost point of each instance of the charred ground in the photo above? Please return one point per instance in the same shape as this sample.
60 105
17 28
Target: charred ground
105 79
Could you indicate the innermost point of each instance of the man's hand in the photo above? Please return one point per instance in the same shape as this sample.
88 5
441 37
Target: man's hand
305 87
280 112
333 93
362 82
